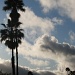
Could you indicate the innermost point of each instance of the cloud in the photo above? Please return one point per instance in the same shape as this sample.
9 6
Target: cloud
49 44
45 72
72 36
6 68
63 7
62 51
48 47
37 62
56 21
29 19
35 26
47 5
56 47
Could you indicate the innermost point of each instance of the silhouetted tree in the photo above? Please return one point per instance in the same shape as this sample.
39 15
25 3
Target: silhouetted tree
30 73
69 72
15 20
12 29
7 36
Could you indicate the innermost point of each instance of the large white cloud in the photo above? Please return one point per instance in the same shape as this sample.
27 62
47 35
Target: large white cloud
29 19
48 47
35 26
64 7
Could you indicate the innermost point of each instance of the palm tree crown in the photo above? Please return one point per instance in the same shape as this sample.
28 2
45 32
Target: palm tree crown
9 33
10 4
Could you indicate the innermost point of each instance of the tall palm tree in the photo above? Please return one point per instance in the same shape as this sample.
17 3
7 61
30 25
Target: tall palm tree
7 36
12 38
14 6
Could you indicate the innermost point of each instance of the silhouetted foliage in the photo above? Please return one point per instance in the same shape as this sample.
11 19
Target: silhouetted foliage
7 36
11 33
13 3
30 73
67 69
69 72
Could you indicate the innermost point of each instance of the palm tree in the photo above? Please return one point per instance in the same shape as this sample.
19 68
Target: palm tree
10 4
7 36
15 20
14 6
17 38
12 38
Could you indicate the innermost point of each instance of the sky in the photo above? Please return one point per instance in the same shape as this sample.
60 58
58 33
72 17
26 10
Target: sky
49 43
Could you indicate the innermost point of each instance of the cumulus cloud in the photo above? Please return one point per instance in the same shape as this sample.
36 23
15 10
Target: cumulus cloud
45 46
48 47
35 26
51 43
64 7
29 19
55 47
63 51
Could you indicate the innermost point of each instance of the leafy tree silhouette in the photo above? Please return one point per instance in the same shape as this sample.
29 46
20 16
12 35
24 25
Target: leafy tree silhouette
15 20
30 73
11 33
7 36
69 72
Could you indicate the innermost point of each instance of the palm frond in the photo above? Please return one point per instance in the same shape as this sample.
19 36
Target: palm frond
22 9
20 33
7 8
3 38
4 25
3 31
18 24
20 5
19 41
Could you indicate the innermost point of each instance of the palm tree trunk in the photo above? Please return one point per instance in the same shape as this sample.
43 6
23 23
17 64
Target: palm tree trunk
16 61
13 65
